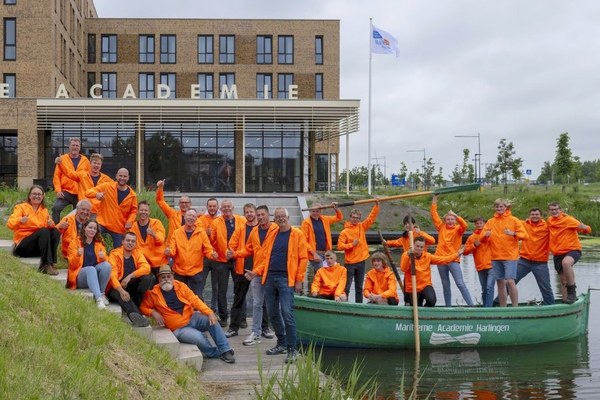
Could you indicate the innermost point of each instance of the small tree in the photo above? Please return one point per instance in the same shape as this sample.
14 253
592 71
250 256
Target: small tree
507 163
563 159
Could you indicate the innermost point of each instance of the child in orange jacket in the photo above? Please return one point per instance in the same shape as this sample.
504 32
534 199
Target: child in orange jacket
380 282
483 262
330 281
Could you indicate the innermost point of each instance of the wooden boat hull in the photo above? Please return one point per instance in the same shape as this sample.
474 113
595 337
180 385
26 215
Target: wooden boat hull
373 326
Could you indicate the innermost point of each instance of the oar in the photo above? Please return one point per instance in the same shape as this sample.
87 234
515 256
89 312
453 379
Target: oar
413 280
445 190
386 249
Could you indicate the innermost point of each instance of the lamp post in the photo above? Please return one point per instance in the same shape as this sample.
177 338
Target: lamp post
424 163
477 159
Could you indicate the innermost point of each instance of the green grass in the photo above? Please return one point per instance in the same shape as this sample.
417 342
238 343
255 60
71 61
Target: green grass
55 344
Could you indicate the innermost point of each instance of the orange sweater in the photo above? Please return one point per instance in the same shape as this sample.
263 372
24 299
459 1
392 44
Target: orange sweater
61 180
112 215
154 300
404 241
536 248
84 183
69 233
329 281
422 269
360 252
382 283
481 254
220 243
238 241
309 233
449 237
563 234
37 220
117 262
254 248
188 254
153 248
502 246
76 260
175 217
297 256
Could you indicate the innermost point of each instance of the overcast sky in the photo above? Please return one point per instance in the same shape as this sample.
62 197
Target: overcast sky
521 70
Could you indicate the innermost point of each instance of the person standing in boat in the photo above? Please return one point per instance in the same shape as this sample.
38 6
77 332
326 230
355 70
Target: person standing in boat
450 232
404 241
380 283
565 247
483 262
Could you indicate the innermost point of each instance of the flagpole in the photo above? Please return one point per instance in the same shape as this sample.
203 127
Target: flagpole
369 116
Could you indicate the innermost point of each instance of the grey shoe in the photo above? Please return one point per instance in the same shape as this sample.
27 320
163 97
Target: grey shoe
279 349
138 320
231 333
267 333
291 357
251 340
228 357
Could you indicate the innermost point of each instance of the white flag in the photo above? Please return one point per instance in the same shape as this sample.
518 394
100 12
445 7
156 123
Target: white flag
382 42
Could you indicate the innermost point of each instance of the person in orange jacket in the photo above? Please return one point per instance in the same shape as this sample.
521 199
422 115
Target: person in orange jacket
404 241
423 261
118 206
353 242
380 282
205 221
65 188
503 231
130 278
565 247
150 234
189 247
533 255
34 233
175 217
482 258
330 281
450 233
88 265
71 223
172 304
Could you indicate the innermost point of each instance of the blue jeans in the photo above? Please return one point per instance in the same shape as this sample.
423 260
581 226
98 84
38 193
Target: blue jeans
454 269
95 278
487 281
117 238
258 303
193 333
280 305
541 274
355 271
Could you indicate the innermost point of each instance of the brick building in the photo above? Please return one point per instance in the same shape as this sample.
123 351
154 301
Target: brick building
210 105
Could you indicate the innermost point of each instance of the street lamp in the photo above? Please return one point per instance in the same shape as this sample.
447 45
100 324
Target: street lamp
424 162
477 159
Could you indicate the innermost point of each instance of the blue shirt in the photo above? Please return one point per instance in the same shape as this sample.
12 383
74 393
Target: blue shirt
320 237
143 230
279 254
121 194
128 266
249 261
89 255
173 301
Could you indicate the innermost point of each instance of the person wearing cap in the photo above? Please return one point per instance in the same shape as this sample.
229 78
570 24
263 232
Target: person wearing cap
380 282
172 304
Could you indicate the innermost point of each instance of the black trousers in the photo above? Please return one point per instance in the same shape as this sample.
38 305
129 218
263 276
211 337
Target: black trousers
220 283
41 243
136 289
355 272
61 204
241 285
427 295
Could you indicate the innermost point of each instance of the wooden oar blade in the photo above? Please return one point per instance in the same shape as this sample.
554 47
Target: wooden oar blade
456 189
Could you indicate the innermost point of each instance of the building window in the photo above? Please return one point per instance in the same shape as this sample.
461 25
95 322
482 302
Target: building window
284 80
91 55
109 85
91 81
109 49
264 49
319 50
146 49
263 80
206 51
10 2
8 158
168 49
319 86
146 85
10 39
206 85
11 80
226 49
168 78
285 50
226 79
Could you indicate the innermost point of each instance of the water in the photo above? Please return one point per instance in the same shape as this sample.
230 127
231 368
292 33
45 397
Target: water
564 370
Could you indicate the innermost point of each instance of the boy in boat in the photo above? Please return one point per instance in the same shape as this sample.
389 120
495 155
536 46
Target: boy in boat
380 282
330 280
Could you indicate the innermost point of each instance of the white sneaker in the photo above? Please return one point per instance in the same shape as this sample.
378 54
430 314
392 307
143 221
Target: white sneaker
253 339
105 300
100 303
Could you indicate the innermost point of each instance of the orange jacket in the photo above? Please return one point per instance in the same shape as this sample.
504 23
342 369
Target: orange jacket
188 254
117 261
382 283
563 234
481 253
536 248
205 221
309 233
253 247
329 281
153 247
37 220
404 241
296 260
69 233
422 269
238 241
84 183
449 237
112 215
61 180
220 243
154 300
352 231
175 217
503 246
76 260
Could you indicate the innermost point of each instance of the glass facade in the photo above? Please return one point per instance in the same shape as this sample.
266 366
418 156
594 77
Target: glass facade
8 158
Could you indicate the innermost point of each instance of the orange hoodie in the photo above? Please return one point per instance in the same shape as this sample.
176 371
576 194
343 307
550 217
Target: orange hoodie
69 234
220 243
153 247
61 180
84 183
352 231
382 283
76 260
449 237
309 233
536 248
154 300
238 241
117 261
502 246
329 281
563 234
37 220
422 269
253 247
481 253
112 215
296 260
404 241
188 254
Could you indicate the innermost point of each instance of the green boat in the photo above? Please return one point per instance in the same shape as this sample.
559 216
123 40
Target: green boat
334 324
